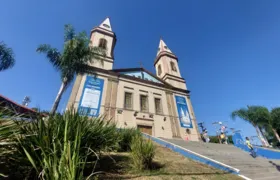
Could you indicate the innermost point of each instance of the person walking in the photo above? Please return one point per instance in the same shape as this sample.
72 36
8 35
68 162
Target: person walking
206 137
249 145
223 138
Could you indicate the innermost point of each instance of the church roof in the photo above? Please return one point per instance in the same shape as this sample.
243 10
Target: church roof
125 73
106 24
163 50
162 47
17 109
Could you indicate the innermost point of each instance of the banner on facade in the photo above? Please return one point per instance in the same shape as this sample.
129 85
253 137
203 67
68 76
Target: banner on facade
91 97
183 113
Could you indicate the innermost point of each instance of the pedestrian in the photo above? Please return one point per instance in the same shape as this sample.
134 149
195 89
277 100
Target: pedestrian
249 145
206 137
223 138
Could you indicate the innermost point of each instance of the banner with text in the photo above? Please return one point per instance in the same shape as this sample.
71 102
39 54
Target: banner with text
91 96
183 113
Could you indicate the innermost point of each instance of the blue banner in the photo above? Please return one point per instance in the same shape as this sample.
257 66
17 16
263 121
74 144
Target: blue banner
91 97
183 113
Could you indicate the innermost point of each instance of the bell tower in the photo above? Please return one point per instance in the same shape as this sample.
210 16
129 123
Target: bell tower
166 64
104 37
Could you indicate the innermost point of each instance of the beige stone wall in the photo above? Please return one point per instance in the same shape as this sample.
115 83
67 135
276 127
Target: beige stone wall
112 105
165 61
107 63
160 123
176 83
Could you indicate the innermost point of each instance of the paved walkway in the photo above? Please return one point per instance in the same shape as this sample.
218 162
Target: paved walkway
256 169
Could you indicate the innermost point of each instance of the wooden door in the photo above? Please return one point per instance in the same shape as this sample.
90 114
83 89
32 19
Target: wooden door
145 129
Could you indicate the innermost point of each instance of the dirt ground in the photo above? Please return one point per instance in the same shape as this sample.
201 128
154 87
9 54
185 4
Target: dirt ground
167 165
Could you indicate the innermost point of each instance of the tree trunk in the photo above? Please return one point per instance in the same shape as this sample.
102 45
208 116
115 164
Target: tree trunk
260 135
264 137
258 132
58 97
276 134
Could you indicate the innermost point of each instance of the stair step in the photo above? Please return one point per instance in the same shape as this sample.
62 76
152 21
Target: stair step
256 169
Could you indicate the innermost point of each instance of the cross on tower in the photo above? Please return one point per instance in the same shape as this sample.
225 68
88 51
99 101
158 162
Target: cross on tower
141 64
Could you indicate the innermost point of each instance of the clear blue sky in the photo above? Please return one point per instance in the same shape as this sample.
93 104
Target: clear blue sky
229 51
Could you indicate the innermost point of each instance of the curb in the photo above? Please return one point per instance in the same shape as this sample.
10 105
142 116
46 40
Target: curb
193 155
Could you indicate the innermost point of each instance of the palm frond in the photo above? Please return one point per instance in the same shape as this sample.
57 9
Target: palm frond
241 113
275 118
52 54
69 32
7 57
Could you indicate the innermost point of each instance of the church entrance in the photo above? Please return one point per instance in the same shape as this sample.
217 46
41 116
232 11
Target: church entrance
145 129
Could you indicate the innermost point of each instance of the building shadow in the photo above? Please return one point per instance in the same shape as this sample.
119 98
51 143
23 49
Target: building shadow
276 165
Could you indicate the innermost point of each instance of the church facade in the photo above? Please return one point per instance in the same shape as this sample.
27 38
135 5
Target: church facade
158 105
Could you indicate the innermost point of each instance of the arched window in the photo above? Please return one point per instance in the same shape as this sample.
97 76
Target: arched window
173 67
159 70
102 43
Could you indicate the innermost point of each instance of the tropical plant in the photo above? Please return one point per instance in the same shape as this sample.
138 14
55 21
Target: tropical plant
126 135
62 146
76 55
7 57
255 115
142 153
275 122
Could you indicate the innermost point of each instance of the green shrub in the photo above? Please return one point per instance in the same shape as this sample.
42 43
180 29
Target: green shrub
60 146
126 136
142 153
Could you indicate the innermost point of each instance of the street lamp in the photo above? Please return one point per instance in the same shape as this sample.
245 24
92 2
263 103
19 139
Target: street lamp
26 101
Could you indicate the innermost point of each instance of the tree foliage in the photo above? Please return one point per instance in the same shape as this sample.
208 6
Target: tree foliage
275 118
77 53
7 57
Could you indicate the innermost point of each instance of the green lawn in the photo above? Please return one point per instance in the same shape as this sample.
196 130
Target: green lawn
167 165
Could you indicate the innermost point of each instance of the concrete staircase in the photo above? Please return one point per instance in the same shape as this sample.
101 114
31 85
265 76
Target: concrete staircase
256 169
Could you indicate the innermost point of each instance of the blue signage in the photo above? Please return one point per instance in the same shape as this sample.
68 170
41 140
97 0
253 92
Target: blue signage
91 96
183 113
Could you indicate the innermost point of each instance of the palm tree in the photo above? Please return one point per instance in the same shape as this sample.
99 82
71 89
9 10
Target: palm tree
76 55
7 59
275 121
255 115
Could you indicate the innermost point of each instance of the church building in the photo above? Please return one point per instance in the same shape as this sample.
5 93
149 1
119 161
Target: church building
157 104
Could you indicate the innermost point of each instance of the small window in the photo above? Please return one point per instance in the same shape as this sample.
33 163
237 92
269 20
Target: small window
144 103
158 107
102 43
106 25
165 47
127 100
159 70
173 67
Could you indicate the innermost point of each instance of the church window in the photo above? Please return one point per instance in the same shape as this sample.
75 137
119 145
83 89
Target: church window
102 43
165 47
106 25
144 103
158 106
127 100
159 70
173 67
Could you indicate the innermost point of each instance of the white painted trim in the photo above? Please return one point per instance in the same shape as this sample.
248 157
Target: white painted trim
237 170
244 177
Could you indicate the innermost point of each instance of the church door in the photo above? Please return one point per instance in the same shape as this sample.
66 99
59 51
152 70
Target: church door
145 129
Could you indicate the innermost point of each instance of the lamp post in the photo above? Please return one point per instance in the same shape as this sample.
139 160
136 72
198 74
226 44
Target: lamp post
26 101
